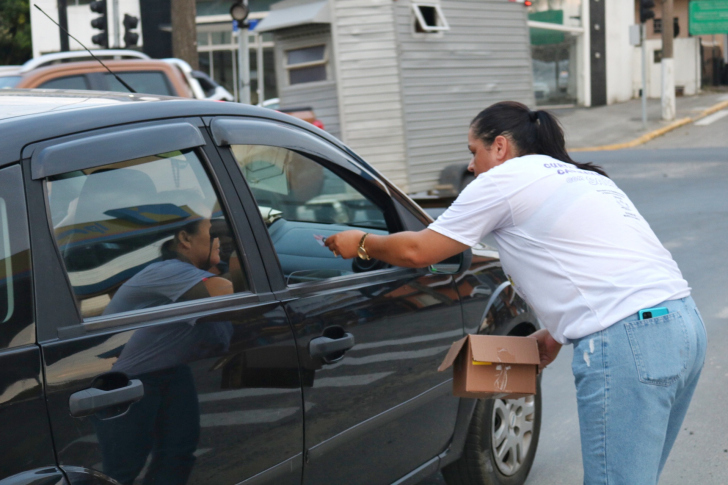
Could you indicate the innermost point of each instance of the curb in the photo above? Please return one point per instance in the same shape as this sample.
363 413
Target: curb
655 133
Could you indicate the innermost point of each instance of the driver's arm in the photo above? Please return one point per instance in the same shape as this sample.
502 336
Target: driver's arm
214 286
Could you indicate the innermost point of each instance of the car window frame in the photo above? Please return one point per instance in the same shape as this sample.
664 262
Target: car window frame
141 139
330 156
20 224
85 79
70 311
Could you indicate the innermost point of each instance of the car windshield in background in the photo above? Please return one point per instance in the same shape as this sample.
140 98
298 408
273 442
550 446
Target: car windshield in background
9 81
206 82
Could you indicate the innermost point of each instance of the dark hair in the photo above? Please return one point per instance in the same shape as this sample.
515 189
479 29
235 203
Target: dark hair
533 132
169 248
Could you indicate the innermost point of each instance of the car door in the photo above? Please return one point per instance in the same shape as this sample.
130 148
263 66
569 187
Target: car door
26 447
151 375
370 337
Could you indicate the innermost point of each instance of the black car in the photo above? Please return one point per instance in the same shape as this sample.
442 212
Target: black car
308 369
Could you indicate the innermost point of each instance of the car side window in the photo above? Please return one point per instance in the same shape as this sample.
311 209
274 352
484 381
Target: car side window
150 82
143 233
16 295
302 202
68 82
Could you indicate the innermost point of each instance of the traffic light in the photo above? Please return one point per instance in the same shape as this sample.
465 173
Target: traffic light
646 12
101 22
130 23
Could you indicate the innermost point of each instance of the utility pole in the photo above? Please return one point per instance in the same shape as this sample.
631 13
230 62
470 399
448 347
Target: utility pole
259 67
646 13
63 20
117 31
643 35
184 31
239 12
243 63
668 66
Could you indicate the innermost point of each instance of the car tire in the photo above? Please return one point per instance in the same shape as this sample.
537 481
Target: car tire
484 464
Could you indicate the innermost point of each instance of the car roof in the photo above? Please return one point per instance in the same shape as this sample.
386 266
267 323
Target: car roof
31 115
95 66
48 59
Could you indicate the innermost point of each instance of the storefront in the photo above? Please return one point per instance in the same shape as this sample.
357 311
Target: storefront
560 60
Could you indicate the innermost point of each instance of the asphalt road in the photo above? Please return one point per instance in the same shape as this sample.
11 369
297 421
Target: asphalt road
679 186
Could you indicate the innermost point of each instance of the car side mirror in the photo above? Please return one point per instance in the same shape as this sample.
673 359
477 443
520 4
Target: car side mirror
453 265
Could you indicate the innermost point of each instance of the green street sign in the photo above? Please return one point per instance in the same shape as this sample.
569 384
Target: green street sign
707 17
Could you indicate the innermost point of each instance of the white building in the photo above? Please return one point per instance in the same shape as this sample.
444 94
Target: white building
46 37
580 48
594 62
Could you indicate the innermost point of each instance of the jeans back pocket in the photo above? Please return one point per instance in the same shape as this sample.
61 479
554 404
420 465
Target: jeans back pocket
660 347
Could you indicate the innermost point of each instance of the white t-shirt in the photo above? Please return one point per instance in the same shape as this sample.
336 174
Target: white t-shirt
571 242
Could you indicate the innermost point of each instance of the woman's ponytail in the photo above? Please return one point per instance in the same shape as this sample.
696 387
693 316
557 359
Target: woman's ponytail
533 132
550 141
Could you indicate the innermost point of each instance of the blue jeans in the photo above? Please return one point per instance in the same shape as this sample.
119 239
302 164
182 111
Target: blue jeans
634 381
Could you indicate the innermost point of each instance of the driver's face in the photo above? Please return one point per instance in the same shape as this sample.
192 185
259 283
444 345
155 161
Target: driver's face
202 247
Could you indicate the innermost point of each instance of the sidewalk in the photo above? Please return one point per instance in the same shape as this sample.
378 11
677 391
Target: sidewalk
613 126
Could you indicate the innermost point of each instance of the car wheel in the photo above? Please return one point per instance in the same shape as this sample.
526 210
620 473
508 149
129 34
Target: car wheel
501 442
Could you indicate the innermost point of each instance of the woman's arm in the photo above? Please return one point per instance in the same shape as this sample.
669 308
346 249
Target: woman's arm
548 348
217 286
213 286
408 249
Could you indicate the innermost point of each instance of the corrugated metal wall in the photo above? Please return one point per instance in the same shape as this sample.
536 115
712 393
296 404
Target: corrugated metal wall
369 84
403 100
447 78
321 96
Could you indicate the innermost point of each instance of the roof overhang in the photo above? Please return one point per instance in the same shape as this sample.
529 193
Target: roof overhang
284 15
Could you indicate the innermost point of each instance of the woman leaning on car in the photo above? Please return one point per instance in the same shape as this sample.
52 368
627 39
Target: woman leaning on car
576 248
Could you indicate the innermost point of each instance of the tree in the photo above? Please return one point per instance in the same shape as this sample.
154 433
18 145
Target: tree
184 31
15 38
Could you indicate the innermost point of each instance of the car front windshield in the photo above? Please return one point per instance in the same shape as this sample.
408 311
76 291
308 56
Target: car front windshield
9 81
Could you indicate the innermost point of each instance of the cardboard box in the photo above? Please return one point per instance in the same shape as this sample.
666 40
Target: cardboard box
490 366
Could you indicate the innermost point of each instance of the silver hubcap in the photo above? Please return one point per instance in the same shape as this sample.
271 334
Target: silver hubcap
512 432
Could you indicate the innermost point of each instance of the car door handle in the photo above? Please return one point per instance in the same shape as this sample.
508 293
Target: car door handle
92 400
331 350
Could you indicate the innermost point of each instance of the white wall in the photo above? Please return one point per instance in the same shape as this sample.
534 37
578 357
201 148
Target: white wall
46 36
619 16
686 52
447 78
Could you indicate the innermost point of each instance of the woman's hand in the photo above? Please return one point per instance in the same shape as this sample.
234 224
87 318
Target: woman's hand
344 244
548 348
